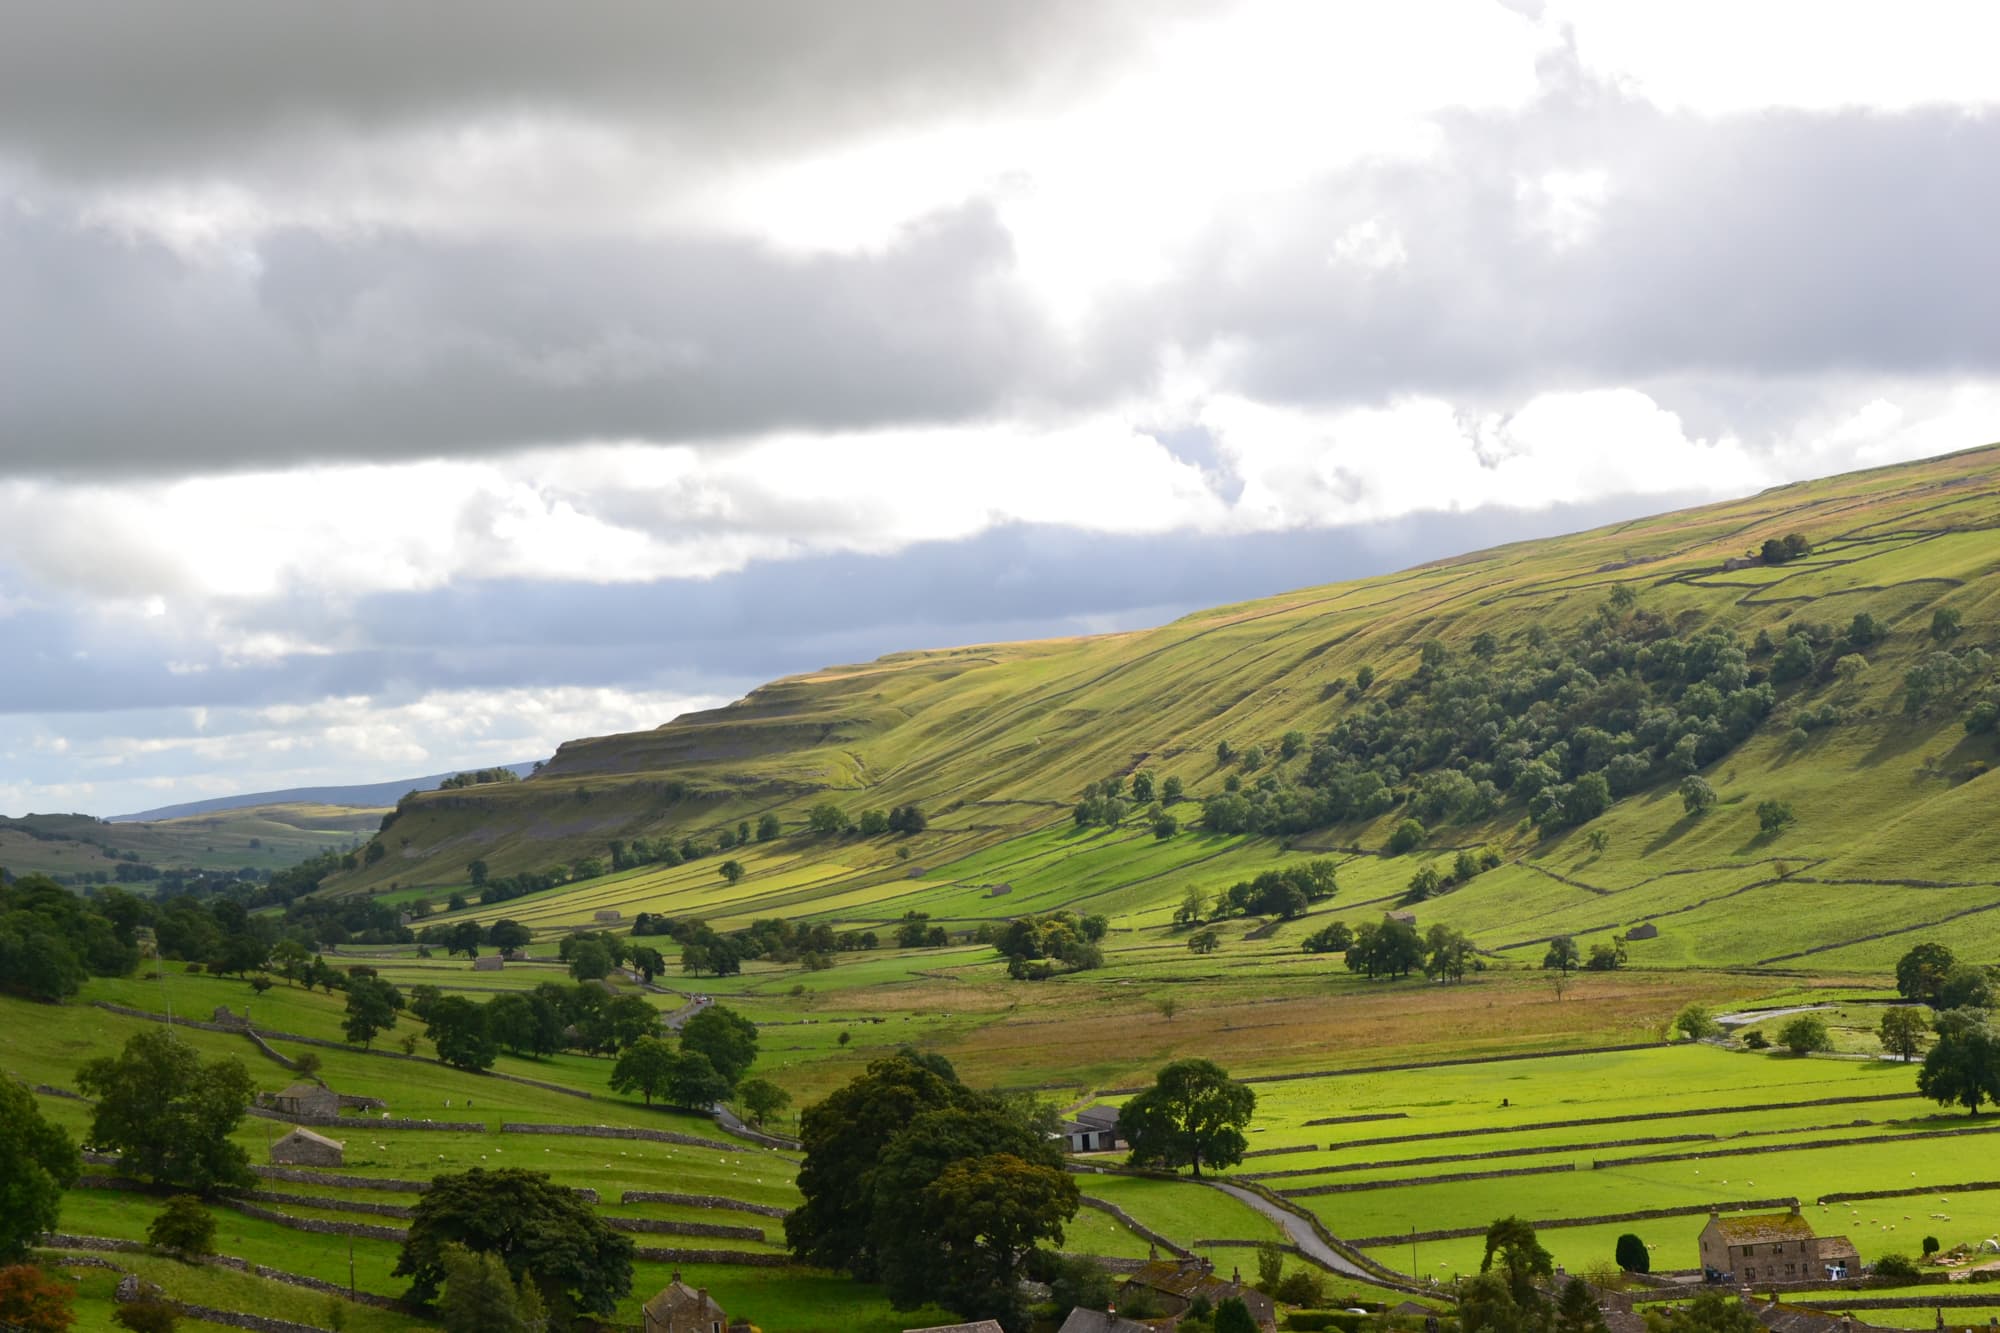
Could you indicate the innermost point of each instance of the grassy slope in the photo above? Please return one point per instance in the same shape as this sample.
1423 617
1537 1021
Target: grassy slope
996 741
284 834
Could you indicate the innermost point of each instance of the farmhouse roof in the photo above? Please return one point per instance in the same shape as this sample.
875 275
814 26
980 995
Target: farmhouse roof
677 1297
983 1326
1761 1227
1837 1247
302 1089
1101 1321
1098 1117
302 1133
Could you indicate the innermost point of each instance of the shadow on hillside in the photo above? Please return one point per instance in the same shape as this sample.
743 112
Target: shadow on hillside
1761 839
1672 833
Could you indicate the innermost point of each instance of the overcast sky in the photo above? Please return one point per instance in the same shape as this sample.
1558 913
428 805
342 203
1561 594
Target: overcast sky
389 387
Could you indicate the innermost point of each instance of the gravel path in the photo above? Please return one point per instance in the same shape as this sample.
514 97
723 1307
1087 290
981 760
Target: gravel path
1297 1229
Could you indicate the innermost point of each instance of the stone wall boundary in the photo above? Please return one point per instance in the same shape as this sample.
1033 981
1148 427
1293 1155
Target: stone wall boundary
620 1132
740 1258
1474 1156
1359 1119
1598 1219
1279 1152
401 1210
269 1051
703 1201
105 1244
299 1175
316 1225
1794 1147
1635 1118
1855 1196
1356 1186
1425 1064
1133 1224
666 1227
358 1122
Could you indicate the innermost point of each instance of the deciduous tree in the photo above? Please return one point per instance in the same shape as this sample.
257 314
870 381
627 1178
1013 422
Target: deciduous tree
543 1232
1902 1031
1193 1114
168 1113
37 1163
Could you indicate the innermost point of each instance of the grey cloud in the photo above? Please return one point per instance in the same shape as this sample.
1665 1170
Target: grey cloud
123 354
97 87
1730 256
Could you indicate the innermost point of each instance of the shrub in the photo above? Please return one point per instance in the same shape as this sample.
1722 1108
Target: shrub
1805 1033
1774 815
183 1229
1408 835
1931 1246
1697 1021
1896 1268
1632 1255
1756 1040
145 1317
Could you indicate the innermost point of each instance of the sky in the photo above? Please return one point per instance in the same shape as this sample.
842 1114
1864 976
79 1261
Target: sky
389 388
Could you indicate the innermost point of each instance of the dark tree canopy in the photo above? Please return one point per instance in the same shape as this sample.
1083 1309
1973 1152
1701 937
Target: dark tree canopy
1193 1113
458 1029
728 1039
169 1114
1920 973
37 1163
1963 1068
540 1230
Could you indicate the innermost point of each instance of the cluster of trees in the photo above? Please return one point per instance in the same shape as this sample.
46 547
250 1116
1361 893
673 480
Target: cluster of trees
1516 1289
50 939
539 1022
1467 866
1791 546
1038 947
1560 729
1282 893
1944 676
707 950
1393 949
716 1049
506 1248
478 777
940 1192
37 1163
1963 1065
828 819
1565 957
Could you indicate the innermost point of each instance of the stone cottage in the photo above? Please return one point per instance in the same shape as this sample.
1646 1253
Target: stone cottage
1767 1248
607 914
491 962
302 1147
307 1101
679 1308
1174 1283
1645 930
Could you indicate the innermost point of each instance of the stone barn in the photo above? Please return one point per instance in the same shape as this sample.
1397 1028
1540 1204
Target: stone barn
1645 930
679 1308
608 914
491 962
302 1147
1095 1129
307 1101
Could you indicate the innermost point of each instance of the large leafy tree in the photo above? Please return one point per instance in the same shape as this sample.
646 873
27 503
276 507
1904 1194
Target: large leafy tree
1902 1031
646 1067
371 1008
480 1296
543 1232
1921 972
32 1301
1964 1066
989 1214
843 1137
926 1249
728 1039
1506 1295
458 1029
37 1163
1193 1113
168 1113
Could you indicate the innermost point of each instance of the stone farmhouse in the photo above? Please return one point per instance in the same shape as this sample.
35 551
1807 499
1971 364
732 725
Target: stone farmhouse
679 1308
1773 1248
1095 1129
306 1101
302 1147
1174 1283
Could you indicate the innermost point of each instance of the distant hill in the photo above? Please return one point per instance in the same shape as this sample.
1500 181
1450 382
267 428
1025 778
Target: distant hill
368 796
1824 656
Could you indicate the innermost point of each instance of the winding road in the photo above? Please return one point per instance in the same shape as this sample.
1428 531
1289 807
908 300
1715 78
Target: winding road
1297 1229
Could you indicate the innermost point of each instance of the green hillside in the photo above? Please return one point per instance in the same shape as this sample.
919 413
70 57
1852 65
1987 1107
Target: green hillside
997 743
83 849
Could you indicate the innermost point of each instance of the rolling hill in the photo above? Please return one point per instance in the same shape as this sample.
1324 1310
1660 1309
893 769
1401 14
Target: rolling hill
1476 663
365 795
84 849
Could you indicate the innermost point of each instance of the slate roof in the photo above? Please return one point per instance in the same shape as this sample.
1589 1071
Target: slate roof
1762 1227
1838 1247
1099 1321
302 1090
678 1297
983 1326
303 1133
1098 1117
